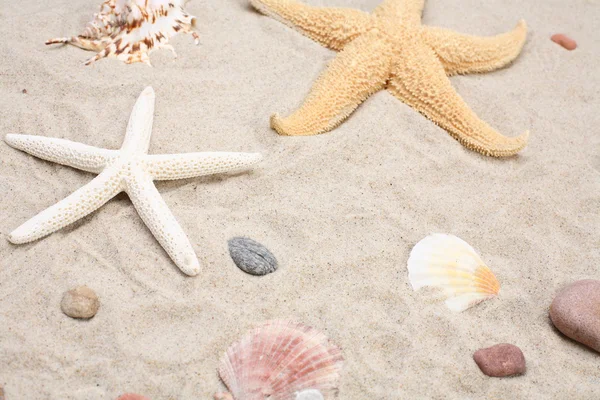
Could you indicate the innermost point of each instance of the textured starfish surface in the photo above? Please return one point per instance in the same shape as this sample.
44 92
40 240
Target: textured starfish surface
389 48
129 169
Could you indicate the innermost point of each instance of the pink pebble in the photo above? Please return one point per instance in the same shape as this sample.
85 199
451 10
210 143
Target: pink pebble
500 360
564 41
132 396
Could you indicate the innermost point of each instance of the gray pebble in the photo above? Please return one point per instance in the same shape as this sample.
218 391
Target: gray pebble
251 256
80 302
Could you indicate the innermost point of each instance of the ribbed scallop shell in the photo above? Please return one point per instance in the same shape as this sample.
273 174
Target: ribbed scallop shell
279 359
450 263
130 29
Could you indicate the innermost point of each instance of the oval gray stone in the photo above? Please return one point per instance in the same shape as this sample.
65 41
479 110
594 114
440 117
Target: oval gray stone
575 311
251 256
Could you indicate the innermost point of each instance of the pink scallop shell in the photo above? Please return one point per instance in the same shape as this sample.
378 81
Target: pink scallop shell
279 359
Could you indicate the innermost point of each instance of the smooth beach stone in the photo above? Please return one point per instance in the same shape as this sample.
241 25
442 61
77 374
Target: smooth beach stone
80 302
251 256
564 41
132 396
500 360
575 311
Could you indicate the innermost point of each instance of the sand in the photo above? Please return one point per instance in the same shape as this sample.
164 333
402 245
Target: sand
340 211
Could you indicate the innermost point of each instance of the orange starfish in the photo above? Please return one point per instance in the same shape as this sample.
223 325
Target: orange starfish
391 49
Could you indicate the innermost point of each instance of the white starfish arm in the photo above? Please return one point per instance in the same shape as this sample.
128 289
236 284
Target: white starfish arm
181 166
65 152
75 206
156 215
139 128
332 27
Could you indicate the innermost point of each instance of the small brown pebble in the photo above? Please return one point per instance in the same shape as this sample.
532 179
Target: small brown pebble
575 311
564 41
1 393
24 91
500 360
132 396
80 302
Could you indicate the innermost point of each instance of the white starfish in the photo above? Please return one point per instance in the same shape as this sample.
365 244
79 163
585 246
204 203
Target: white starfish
131 170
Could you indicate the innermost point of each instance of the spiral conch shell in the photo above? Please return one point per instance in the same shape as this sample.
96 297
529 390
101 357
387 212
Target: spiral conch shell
281 360
450 263
130 30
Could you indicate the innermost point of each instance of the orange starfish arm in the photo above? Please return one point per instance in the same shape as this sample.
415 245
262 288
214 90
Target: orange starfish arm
463 54
332 27
404 9
420 81
349 79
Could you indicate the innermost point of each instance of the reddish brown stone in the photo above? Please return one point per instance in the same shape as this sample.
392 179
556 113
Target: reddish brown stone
132 396
575 311
564 41
500 360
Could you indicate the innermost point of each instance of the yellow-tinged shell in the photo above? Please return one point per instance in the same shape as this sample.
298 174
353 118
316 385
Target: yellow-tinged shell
450 263
281 360
130 30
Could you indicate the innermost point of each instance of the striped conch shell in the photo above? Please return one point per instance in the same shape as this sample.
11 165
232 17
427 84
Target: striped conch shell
450 263
130 30
281 360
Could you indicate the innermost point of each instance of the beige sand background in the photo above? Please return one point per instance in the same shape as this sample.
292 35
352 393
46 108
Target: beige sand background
341 211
